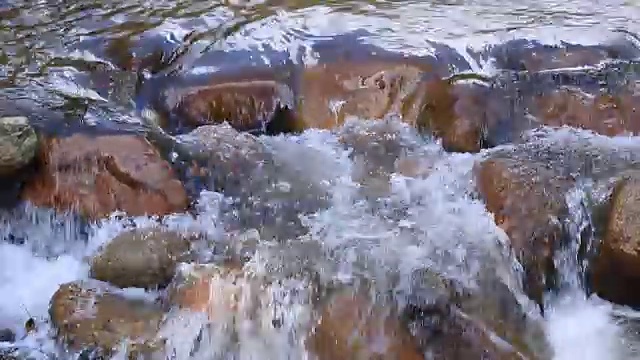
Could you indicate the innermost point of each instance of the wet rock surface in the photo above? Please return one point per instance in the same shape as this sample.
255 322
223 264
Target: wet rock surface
97 175
145 258
616 265
90 315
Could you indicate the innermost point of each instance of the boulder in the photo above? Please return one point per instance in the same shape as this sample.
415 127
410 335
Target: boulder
368 89
617 264
18 144
145 258
527 198
97 175
351 327
606 114
90 315
7 335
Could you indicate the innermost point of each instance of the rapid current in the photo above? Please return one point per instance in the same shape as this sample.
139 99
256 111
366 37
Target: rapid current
435 220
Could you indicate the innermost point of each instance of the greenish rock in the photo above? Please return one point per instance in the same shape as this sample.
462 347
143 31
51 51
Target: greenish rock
18 143
144 258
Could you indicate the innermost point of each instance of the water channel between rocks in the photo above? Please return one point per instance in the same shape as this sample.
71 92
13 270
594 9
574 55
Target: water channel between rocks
372 207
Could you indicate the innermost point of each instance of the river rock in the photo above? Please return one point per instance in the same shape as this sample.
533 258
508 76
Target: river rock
268 192
351 327
365 89
527 199
251 100
606 114
145 258
91 315
618 261
97 175
18 144
531 55
7 335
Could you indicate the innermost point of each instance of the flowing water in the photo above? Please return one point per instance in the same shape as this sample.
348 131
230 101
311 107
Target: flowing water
56 54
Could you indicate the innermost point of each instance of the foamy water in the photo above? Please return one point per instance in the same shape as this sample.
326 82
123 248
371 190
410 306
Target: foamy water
435 221
442 226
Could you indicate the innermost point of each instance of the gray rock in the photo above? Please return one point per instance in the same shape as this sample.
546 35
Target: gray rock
18 143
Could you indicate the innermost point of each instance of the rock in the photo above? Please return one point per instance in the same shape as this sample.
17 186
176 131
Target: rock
90 315
248 101
99 175
490 306
267 192
456 113
366 89
617 263
605 114
527 199
211 289
7 335
242 307
523 54
18 144
449 333
351 327
145 258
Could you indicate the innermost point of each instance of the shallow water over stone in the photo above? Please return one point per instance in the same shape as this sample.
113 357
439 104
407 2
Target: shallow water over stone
324 205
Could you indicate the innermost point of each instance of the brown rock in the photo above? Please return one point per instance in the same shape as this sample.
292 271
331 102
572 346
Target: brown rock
145 258
604 114
617 266
369 90
527 199
99 175
243 103
211 289
350 327
455 114
88 314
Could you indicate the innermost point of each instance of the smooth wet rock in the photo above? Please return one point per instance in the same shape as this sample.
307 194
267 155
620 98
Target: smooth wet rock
606 114
523 54
90 315
97 175
368 89
245 102
7 335
490 306
527 199
145 258
18 144
617 264
351 327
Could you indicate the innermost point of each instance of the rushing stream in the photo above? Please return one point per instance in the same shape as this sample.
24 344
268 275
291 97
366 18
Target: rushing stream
75 64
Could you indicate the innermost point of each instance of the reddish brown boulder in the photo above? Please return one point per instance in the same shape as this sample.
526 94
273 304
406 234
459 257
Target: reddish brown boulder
527 199
456 113
97 175
245 103
368 89
350 327
604 114
617 265
91 315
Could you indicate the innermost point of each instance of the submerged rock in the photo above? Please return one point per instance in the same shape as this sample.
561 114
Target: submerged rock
145 258
7 335
617 264
97 175
89 315
18 144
